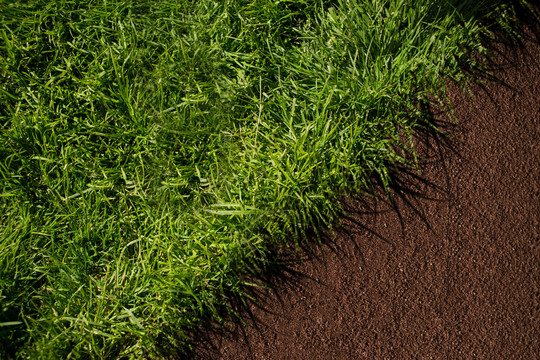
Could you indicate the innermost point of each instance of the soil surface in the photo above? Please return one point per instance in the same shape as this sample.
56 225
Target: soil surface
448 270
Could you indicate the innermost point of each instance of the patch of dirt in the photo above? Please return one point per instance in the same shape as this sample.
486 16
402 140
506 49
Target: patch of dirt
450 270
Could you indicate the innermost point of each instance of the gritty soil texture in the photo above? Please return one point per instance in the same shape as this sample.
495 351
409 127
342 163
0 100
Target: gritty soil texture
447 270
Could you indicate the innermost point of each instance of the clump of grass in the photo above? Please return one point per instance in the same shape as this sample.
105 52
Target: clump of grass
152 151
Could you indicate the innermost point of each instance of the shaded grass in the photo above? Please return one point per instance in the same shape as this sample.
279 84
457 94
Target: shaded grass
153 151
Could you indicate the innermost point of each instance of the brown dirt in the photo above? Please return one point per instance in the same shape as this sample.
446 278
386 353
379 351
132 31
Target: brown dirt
449 271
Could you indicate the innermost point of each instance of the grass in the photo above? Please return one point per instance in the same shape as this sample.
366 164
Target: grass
152 152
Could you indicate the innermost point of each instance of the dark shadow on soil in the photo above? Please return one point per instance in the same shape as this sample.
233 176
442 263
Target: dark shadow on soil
284 276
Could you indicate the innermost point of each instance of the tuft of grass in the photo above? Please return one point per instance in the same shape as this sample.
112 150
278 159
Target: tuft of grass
153 151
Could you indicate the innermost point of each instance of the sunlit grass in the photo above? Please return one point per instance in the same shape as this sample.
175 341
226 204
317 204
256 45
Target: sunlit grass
152 151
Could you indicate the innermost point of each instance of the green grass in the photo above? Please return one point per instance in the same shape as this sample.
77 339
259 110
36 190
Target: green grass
152 152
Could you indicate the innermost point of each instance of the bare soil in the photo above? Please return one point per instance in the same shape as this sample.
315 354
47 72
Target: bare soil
448 270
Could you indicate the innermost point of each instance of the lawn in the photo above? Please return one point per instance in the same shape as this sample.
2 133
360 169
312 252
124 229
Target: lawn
154 152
